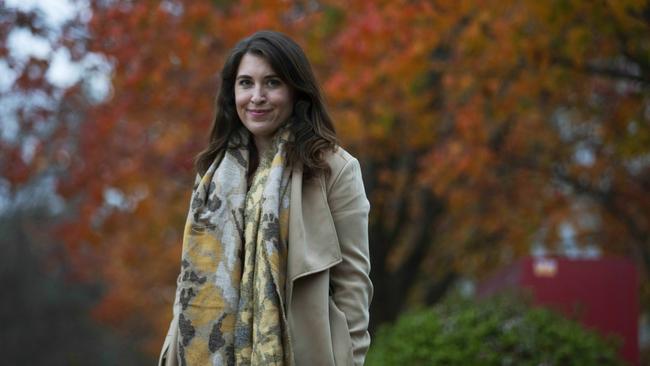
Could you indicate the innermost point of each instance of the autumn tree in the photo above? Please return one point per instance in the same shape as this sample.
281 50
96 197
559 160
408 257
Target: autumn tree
485 129
488 128
46 307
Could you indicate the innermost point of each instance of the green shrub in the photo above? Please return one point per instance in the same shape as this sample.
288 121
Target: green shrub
502 330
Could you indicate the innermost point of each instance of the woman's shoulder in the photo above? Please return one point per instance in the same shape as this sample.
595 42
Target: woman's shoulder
338 158
341 163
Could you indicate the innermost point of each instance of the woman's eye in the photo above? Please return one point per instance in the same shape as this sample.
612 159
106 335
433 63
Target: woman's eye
274 83
245 82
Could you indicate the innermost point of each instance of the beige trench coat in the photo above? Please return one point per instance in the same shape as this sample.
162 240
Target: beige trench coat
328 291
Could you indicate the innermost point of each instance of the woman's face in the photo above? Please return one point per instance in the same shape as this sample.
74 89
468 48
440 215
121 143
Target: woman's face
264 102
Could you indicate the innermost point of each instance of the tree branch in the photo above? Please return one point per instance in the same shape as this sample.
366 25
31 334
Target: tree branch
608 72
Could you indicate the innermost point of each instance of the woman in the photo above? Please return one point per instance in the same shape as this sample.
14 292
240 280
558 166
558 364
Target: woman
275 261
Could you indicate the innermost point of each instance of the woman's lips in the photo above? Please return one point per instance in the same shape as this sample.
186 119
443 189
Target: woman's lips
258 112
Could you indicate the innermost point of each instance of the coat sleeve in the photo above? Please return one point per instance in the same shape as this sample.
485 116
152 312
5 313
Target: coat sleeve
168 352
350 282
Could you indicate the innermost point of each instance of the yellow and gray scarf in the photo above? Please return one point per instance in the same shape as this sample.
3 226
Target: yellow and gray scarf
231 291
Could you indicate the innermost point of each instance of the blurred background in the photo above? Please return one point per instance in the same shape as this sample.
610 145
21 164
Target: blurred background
488 132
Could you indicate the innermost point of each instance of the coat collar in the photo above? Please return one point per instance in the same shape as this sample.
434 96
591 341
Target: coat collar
313 243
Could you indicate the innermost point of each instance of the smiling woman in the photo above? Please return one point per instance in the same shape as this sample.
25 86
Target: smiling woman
264 101
275 264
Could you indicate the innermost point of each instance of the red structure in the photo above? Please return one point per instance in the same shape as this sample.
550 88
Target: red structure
602 292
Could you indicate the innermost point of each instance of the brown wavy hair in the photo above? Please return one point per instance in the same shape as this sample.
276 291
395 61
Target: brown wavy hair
310 122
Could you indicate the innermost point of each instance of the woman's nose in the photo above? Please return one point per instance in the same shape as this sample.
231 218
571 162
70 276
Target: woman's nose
258 96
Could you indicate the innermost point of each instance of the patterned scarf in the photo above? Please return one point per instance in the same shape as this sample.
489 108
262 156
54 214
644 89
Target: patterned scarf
231 292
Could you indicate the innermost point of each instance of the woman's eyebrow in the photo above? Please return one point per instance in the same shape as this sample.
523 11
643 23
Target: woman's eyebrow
244 76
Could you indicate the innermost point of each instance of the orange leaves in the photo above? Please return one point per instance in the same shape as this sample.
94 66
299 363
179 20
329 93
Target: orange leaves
18 171
467 117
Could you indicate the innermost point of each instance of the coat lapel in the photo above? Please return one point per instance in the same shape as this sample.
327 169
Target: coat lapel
313 243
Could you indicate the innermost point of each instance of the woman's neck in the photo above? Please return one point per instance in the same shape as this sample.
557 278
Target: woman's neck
253 161
262 144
